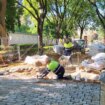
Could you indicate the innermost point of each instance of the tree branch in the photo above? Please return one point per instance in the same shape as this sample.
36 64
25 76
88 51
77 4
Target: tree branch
27 10
57 10
35 10
101 17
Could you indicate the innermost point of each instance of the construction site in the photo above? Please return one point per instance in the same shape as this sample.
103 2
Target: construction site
84 83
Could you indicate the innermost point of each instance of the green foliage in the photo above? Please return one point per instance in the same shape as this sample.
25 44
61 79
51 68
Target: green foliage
76 14
28 25
25 46
10 15
31 18
49 30
101 32
99 8
30 7
67 19
19 13
56 16
48 47
37 9
13 15
22 29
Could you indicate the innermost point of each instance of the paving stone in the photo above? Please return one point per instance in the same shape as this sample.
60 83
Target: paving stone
22 92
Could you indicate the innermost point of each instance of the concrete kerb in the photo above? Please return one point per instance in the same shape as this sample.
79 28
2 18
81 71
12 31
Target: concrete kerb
102 94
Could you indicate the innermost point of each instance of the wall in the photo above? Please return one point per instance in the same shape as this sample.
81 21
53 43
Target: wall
16 38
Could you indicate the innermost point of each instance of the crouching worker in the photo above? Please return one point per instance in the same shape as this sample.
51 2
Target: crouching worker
53 66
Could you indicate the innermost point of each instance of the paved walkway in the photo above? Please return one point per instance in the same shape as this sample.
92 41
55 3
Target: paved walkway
48 92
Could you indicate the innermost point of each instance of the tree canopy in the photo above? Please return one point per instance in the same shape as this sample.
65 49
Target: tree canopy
55 18
99 6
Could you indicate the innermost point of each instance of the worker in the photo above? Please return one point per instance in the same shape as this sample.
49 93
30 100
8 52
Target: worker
53 66
68 46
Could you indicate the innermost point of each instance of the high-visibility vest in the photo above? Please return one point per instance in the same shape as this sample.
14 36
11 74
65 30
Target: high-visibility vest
52 65
68 45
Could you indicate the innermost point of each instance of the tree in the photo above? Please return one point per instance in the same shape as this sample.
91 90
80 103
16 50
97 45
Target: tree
85 16
38 10
56 15
99 6
7 18
67 16
11 15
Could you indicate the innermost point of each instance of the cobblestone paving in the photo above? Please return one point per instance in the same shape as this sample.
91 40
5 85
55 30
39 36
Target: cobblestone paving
48 92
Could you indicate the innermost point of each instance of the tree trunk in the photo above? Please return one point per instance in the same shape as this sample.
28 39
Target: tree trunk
57 34
2 23
81 32
40 38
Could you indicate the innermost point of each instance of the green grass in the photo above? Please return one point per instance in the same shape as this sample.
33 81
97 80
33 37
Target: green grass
48 47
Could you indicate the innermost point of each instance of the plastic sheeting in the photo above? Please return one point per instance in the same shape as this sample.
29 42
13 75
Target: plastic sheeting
80 75
64 60
58 49
96 48
34 59
98 62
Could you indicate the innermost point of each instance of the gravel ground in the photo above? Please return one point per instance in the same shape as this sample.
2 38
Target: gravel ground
15 91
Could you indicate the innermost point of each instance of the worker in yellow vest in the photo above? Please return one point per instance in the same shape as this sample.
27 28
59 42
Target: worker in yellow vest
53 66
68 46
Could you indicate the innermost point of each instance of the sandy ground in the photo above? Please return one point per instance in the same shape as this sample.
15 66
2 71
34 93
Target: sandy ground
69 67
